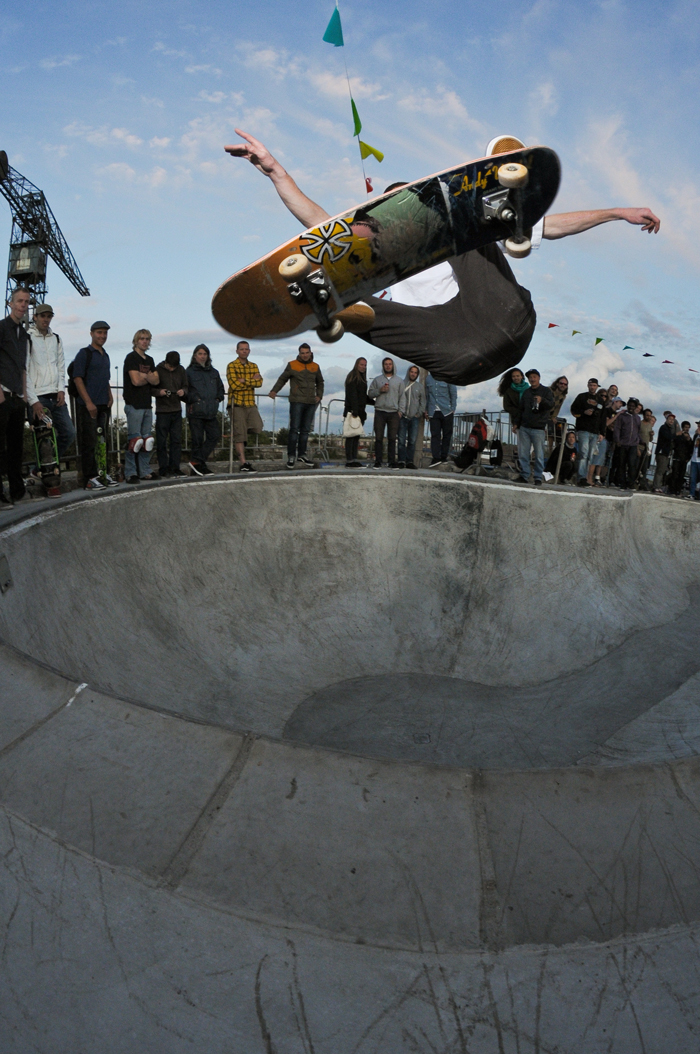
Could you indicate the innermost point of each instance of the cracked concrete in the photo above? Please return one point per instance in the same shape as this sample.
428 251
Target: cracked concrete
212 841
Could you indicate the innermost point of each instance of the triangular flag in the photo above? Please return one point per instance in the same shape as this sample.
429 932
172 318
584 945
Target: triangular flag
669 361
368 184
334 31
691 370
574 332
355 117
553 325
628 347
598 340
366 150
647 355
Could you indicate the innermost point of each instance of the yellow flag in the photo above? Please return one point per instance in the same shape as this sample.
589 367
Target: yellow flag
366 150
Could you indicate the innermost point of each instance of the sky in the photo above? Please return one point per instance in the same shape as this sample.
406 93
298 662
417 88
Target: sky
119 113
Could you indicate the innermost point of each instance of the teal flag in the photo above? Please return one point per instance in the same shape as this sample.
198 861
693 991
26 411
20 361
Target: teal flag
355 117
334 32
628 347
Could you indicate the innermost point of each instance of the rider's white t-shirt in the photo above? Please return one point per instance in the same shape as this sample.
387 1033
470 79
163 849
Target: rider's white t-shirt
438 284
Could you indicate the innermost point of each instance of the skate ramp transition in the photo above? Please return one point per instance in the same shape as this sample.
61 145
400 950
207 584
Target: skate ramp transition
350 763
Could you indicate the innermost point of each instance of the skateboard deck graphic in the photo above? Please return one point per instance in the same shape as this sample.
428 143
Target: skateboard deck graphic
387 239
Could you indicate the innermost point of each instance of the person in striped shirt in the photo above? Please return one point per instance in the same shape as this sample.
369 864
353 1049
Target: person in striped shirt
243 378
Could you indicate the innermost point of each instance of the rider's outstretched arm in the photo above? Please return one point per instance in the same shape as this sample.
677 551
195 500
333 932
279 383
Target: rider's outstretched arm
565 223
305 210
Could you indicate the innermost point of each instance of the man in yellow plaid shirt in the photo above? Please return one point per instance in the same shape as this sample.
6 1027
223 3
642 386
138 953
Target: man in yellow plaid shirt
243 378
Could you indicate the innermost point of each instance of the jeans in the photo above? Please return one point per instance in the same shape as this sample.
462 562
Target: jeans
138 423
527 438
65 429
408 433
301 421
694 475
87 438
201 446
169 425
352 448
662 461
587 446
13 414
441 428
388 419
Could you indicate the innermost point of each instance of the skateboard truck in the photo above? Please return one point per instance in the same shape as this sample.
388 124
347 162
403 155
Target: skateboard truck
306 286
498 206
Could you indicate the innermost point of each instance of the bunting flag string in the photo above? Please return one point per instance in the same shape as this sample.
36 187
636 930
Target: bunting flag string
627 347
334 36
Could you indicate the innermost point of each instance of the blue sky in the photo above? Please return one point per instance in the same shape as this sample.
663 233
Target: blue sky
119 112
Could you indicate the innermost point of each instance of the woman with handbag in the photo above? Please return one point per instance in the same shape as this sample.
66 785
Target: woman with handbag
354 413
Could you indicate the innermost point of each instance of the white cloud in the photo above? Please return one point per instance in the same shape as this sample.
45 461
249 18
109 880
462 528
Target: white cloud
212 96
103 136
442 104
204 69
543 99
121 172
159 143
165 50
56 63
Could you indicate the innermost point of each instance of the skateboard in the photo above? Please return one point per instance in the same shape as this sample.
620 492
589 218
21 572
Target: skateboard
304 283
46 450
101 453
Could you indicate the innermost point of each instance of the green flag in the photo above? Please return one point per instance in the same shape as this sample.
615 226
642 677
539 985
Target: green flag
598 340
628 347
366 150
334 31
574 332
355 117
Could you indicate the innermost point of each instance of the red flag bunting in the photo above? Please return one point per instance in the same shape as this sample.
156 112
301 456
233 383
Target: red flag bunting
669 361
553 325
368 184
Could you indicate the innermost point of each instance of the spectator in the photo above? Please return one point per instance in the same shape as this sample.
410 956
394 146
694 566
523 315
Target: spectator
600 458
568 459
531 421
205 392
411 412
476 442
511 387
695 464
356 401
93 404
609 470
386 391
682 452
664 449
676 426
14 346
139 374
586 409
46 377
626 436
614 394
560 390
305 393
646 437
243 378
441 399
170 394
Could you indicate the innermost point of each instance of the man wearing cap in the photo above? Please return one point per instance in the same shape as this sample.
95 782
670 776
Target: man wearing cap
91 372
14 345
530 420
587 409
46 377
626 436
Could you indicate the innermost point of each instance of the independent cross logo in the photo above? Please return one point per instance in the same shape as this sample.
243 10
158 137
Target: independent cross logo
328 242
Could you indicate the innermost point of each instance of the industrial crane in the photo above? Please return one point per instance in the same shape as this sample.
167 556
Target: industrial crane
35 236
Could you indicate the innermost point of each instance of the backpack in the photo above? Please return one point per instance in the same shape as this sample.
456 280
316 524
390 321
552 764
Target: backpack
72 390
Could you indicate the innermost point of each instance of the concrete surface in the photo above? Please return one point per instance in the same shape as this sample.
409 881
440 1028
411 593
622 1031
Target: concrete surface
345 763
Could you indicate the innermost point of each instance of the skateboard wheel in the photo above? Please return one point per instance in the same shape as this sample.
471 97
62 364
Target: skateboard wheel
512 175
294 267
518 247
332 333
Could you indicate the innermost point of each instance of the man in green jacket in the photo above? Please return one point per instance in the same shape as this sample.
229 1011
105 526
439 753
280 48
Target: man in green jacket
305 393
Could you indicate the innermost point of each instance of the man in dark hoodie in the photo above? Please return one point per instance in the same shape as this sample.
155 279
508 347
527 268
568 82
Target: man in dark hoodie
205 393
531 419
170 393
587 408
411 412
305 393
626 436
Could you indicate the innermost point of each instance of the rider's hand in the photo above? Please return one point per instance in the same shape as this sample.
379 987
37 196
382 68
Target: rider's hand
644 218
254 151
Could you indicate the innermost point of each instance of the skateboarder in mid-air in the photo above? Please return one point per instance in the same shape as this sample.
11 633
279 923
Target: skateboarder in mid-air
465 320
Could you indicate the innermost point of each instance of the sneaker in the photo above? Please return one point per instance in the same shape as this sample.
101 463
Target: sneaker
539 482
401 464
247 467
393 464
521 479
377 464
358 318
5 499
435 462
291 462
175 472
165 472
503 144
95 484
135 444
196 468
583 483
206 471
133 479
148 444
409 464
305 460
109 481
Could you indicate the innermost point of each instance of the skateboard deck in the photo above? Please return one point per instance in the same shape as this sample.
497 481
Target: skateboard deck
46 450
387 239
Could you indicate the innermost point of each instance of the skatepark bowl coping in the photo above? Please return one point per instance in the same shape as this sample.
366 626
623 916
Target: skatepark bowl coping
411 717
